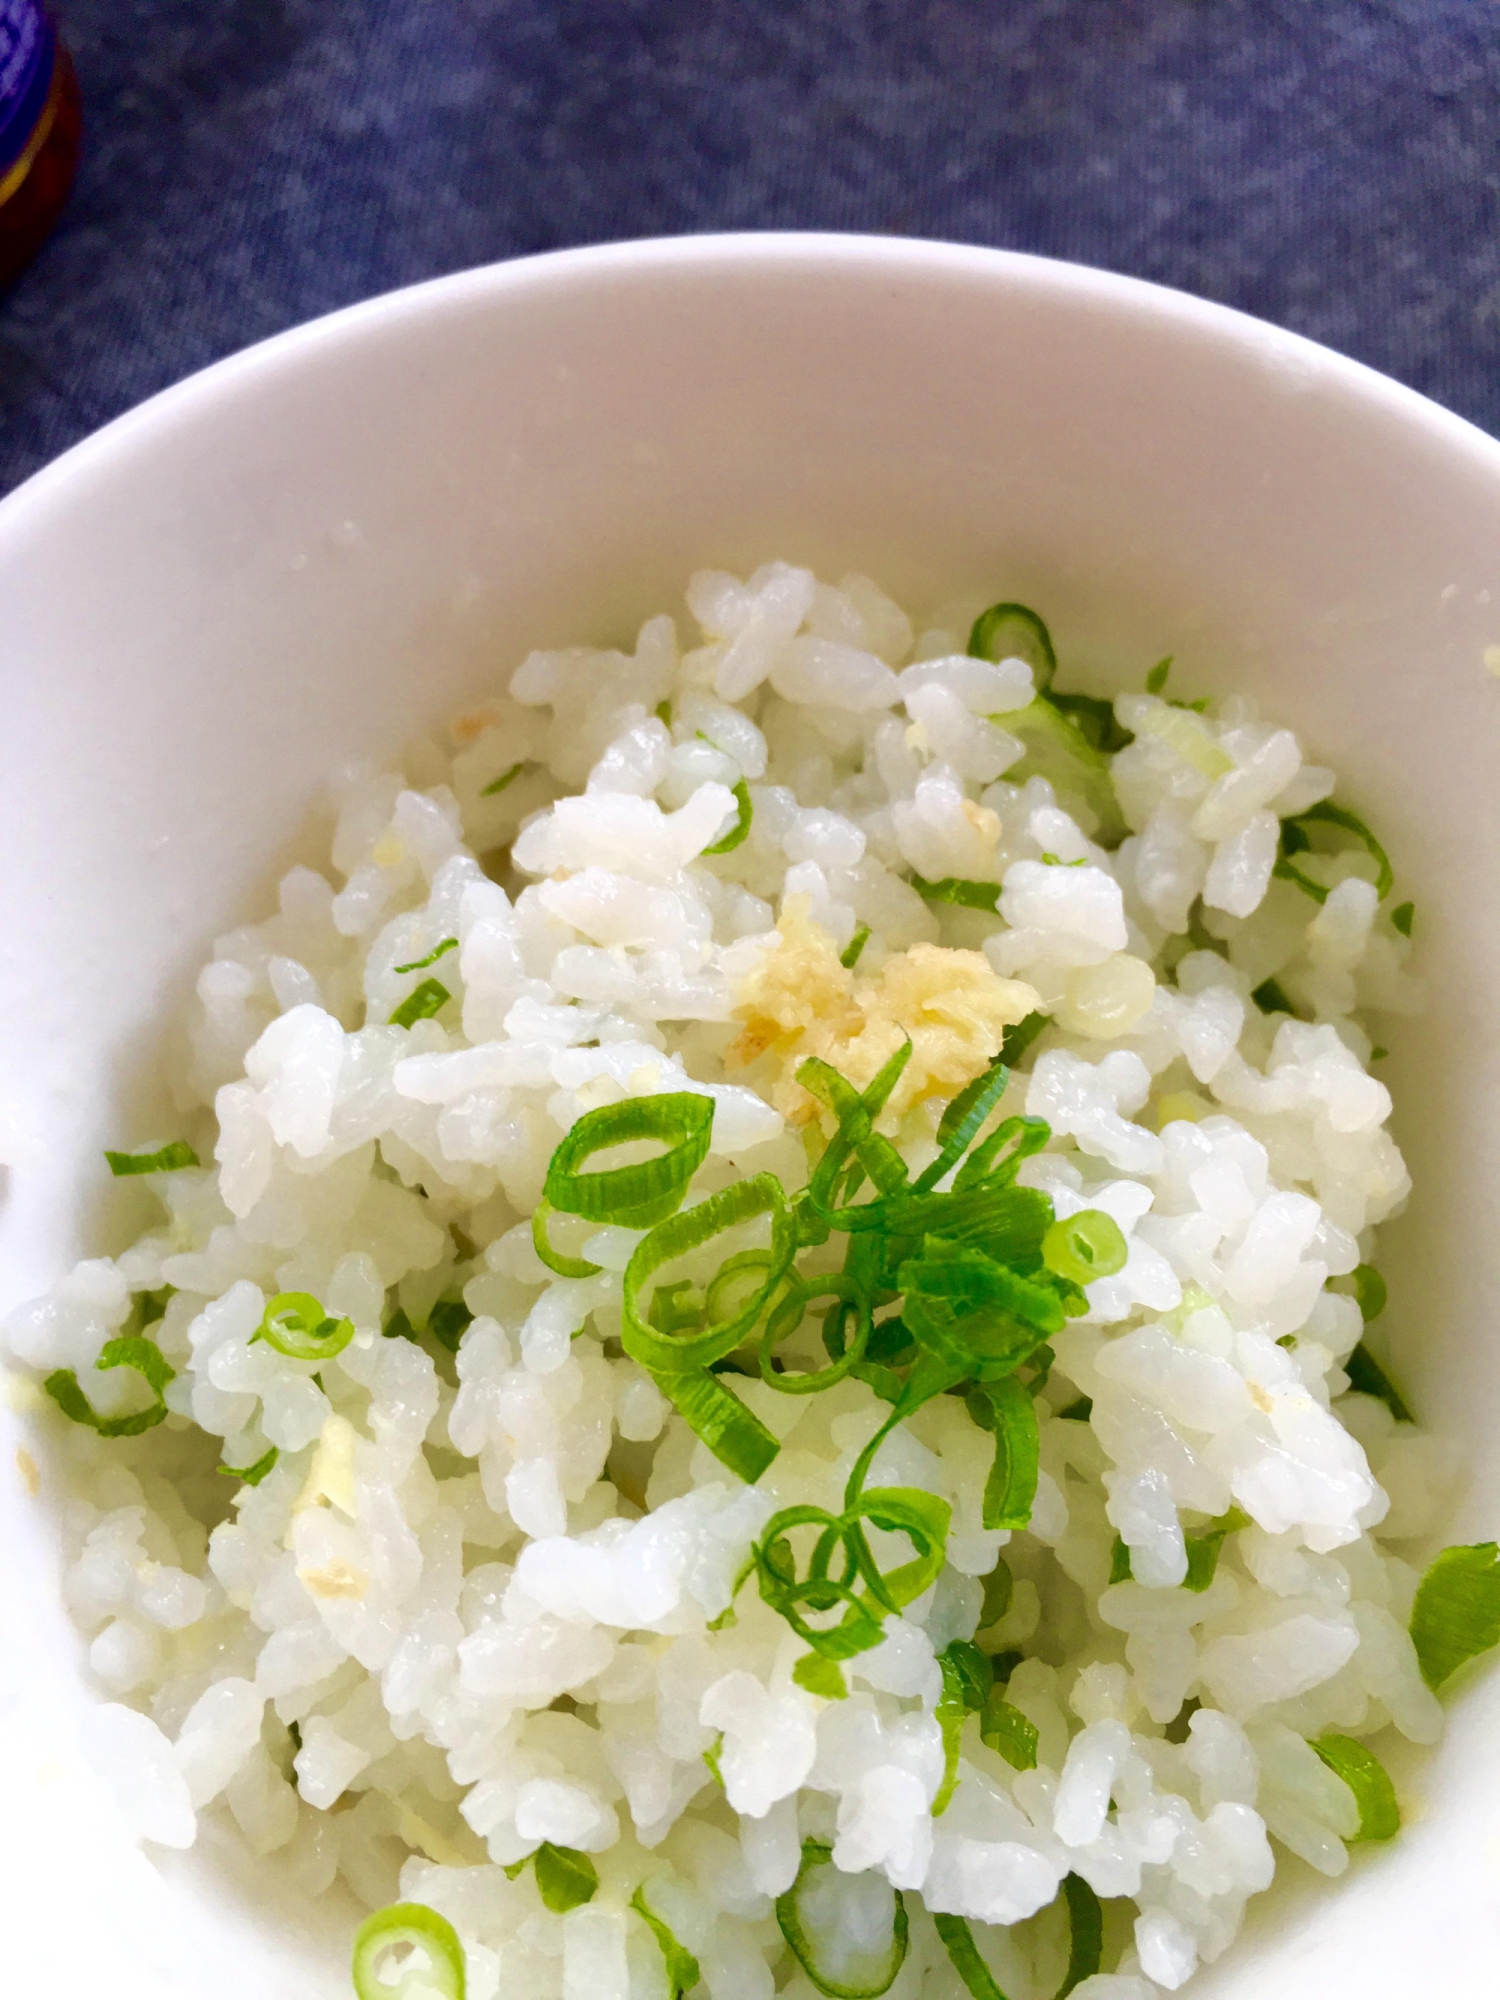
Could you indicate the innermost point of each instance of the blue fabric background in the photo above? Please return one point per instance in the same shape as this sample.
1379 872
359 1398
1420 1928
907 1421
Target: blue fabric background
1330 164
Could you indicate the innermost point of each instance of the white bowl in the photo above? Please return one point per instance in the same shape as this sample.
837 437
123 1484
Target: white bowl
319 546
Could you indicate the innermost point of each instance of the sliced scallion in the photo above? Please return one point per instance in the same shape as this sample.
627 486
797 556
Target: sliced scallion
744 814
956 889
565 1879
1401 917
647 1192
421 964
129 1350
166 1159
848 1932
1156 680
1296 840
1368 1779
1368 1378
968 1680
421 1004
849 957
565 1267
1015 632
1086 1934
1005 1408
295 1324
430 1965
1006 1730
497 785
252 1475
1455 1614
958 1942
1085 1246
821 1676
683 1970
1203 1550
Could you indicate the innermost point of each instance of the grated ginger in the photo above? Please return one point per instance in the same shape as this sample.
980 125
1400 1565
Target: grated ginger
798 1000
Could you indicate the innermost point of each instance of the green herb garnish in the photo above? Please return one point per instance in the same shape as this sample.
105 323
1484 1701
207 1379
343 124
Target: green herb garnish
954 889
1368 1779
497 785
745 813
1368 1377
295 1324
840 1958
166 1159
1295 839
437 1974
849 956
683 1970
128 1350
252 1475
421 1004
437 952
1156 680
1456 1612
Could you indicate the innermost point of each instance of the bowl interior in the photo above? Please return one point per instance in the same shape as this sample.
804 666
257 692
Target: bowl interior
323 546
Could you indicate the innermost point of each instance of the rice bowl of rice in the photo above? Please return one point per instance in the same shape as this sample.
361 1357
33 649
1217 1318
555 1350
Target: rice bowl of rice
778 946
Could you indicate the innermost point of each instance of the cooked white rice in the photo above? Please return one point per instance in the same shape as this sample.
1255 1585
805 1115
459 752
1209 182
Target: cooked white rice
483 1588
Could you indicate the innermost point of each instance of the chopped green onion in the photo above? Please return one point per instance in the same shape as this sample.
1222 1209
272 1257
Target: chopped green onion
1378 1054
1078 1411
1014 632
497 785
1368 1378
1401 917
565 1878
129 1350
828 1918
711 1758
961 1122
683 1970
1156 680
955 889
433 1967
968 1680
1086 1922
1271 998
1368 1779
295 1324
448 1322
565 1267
421 1004
999 1588
1086 1246
1005 1408
1203 1550
1456 1612
903 1510
821 1676
1018 1040
849 956
744 814
673 1238
399 1326
165 1160
1295 840
1119 1561
1006 1730
958 1942
252 1475
663 711
420 964
733 1433
1370 1292
788 1315
1093 716
637 1196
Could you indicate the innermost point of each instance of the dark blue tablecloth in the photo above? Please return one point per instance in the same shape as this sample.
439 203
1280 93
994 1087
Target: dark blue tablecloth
1331 164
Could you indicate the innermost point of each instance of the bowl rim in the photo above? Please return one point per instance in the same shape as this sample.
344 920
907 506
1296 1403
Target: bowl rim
737 252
